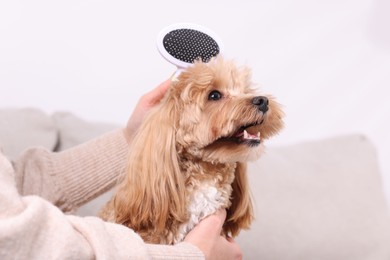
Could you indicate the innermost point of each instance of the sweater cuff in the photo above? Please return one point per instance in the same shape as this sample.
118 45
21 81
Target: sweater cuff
179 251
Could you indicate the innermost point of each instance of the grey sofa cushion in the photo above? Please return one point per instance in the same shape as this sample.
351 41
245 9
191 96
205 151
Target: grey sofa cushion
23 128
318 200
73 130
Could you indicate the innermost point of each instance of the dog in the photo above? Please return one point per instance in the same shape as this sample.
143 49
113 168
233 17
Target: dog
188 159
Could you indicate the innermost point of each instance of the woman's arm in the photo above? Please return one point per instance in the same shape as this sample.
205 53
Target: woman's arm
33 228
72 177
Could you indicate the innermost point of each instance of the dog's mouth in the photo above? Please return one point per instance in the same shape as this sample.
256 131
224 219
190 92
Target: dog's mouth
247 134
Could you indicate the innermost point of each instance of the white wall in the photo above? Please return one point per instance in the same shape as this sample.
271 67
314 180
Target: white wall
328 62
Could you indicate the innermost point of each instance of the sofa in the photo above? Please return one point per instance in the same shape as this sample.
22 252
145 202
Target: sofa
319 199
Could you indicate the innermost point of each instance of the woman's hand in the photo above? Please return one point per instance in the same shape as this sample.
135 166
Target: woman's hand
145 103
207 237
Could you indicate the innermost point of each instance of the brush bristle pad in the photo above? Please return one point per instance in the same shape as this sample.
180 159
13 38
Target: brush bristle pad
189 45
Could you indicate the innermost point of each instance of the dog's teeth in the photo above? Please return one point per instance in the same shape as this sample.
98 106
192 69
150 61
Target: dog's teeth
245 134
258 135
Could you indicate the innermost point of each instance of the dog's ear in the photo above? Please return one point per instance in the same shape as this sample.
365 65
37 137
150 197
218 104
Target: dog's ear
240 213
151 195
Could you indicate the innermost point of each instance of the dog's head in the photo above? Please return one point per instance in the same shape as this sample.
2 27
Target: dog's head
218 115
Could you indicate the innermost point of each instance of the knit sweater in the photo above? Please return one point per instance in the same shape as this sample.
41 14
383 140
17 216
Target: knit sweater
36 190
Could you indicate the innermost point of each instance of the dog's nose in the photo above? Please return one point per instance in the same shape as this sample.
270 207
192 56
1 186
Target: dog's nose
261 103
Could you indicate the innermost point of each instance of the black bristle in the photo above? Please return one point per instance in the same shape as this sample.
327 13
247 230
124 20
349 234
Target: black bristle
189 45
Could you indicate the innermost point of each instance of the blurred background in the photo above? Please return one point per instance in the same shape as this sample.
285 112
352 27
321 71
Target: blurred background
327 62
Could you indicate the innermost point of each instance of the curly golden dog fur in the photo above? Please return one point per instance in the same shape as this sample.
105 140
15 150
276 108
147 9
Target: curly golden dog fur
189 156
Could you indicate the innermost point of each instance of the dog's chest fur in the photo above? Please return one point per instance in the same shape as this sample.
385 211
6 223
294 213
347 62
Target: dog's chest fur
208 188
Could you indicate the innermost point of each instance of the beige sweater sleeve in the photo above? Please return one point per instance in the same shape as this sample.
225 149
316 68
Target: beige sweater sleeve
33 228
71 178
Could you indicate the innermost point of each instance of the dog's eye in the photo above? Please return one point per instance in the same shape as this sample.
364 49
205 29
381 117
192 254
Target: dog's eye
215 95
